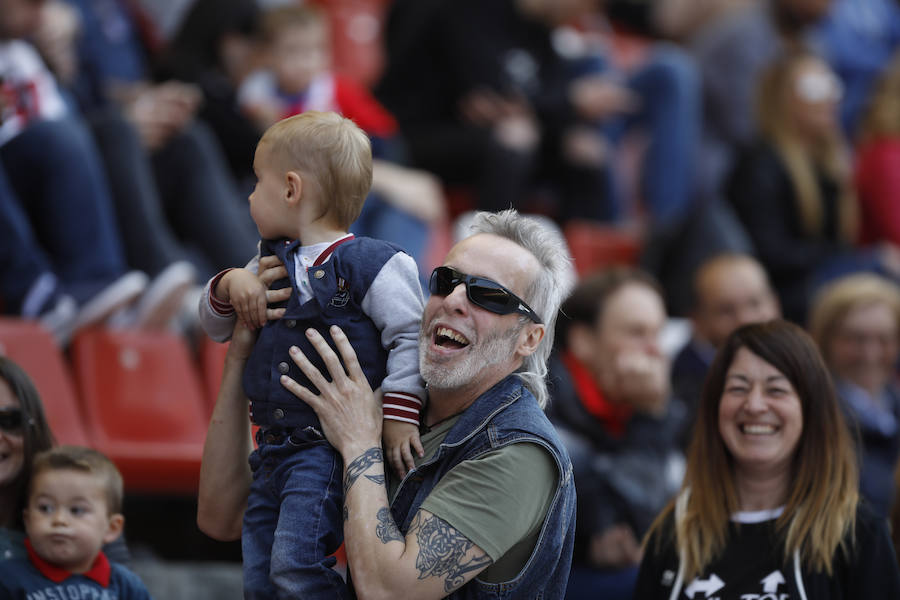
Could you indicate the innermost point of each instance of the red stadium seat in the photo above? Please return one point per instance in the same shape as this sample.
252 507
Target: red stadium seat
33 348
143 405
594 246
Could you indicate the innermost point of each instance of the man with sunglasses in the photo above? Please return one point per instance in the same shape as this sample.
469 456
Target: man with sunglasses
493 496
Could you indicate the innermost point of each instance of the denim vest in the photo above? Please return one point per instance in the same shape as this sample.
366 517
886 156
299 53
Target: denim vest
339 286
507 413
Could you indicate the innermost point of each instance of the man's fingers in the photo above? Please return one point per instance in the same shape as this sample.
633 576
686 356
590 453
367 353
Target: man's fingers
272 274
312 373
301 392
279 295
335 369
273 314
348 354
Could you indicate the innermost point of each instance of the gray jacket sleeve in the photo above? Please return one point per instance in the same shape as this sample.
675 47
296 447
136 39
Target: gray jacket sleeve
219 325
394 302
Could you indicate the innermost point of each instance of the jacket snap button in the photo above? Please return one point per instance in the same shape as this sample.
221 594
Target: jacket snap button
291 323
319 274
278 413
283 368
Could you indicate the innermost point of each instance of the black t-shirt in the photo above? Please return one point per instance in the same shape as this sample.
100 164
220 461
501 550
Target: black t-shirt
754 567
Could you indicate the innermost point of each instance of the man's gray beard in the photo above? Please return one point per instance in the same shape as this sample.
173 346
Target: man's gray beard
493 350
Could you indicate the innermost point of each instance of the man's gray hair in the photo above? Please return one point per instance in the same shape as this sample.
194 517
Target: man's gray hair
550 287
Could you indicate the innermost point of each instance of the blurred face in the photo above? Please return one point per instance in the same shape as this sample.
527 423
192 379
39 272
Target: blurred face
19 18
299 53
67 518
464 345
731 294
631 322
863 349
813 97
267 205
760 417
12 440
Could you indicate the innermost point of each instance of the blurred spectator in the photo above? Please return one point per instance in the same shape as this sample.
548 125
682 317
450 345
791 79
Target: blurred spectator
63 246
215 48
683 19
610 390
792 189
858 39
856 322
878 161
165 166
730 290
297 78
488 94
731 52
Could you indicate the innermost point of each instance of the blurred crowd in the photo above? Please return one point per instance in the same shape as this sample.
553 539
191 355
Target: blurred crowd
752 146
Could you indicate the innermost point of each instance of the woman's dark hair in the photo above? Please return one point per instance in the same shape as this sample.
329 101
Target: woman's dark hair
37 436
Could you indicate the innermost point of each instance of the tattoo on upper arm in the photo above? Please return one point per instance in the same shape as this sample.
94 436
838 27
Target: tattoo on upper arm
360 464
442 552
386 529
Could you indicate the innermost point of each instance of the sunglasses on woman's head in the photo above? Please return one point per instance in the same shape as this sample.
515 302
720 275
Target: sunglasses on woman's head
11 420
482 292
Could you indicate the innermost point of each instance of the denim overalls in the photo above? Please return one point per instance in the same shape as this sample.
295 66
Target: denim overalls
293 520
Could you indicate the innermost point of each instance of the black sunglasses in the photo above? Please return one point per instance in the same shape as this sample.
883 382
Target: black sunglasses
482 292
11 420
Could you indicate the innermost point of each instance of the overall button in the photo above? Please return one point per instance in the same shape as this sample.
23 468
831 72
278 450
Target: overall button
278 414
283 368
290 323
319 274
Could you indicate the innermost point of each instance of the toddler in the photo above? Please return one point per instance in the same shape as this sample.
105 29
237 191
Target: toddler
74 507
313 173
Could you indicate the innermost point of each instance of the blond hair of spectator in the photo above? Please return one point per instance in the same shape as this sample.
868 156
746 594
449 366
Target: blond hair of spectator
776 89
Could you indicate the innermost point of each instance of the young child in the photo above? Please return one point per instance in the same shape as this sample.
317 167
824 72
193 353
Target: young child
74 507
314 171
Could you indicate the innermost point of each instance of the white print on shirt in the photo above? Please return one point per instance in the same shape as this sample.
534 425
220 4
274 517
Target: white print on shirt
72 592
711 585
707 586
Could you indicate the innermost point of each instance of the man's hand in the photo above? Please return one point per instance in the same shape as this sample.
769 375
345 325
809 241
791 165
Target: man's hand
615 548
400 440
639 379
348 409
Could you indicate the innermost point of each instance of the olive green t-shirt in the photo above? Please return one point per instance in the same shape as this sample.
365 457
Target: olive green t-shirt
498 500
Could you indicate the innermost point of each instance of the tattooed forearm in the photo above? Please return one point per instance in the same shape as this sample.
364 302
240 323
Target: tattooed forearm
386 529
377 479
359 465
442 552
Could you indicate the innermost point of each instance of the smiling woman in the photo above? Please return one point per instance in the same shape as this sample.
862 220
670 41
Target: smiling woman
769 501
23 433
